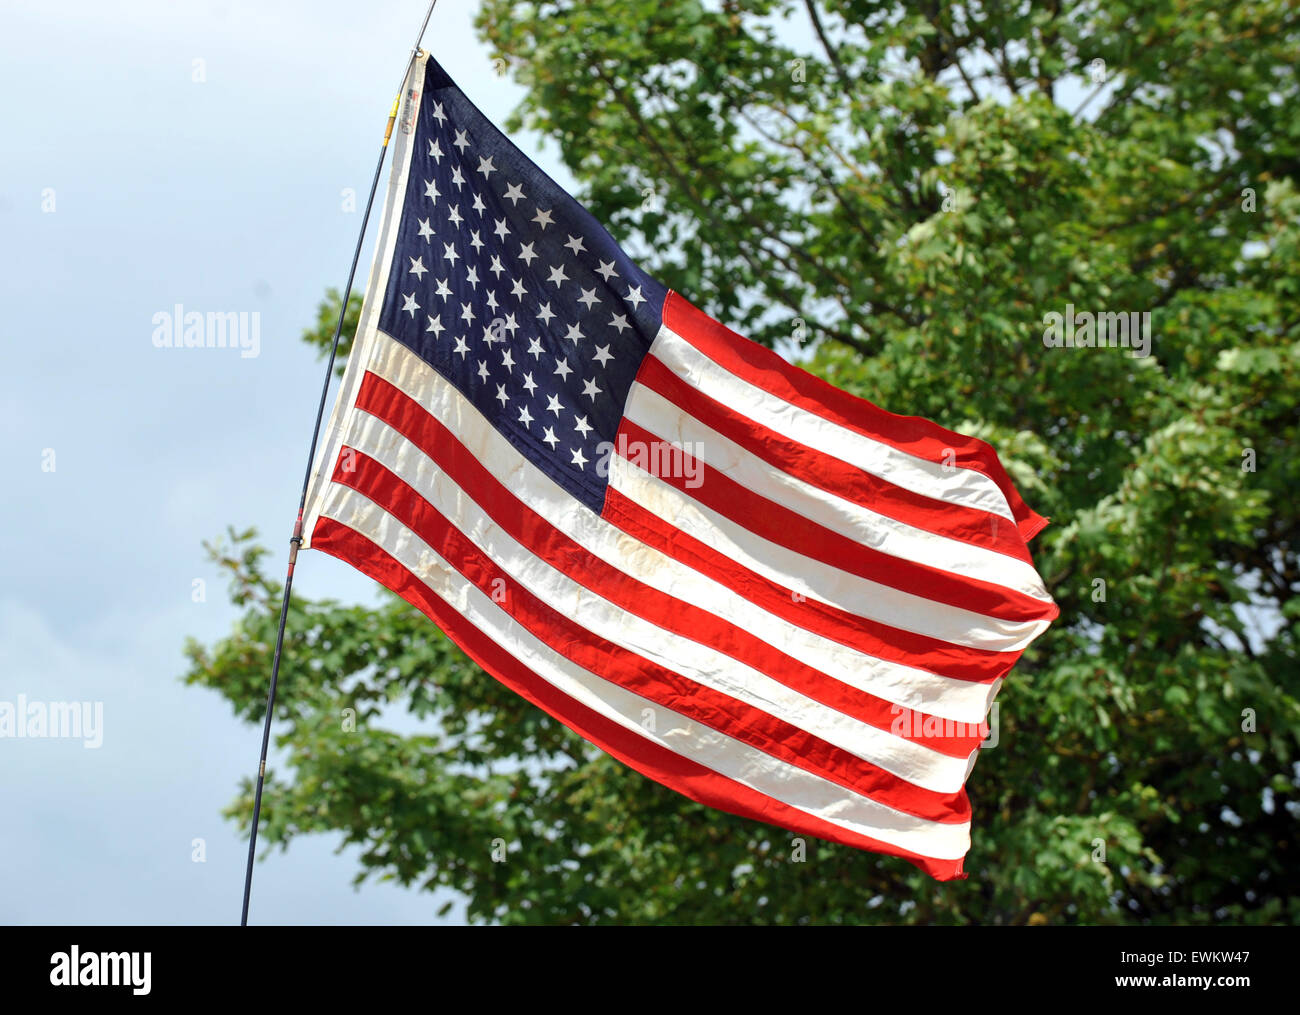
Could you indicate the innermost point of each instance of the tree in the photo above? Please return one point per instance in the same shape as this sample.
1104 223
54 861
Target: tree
905 194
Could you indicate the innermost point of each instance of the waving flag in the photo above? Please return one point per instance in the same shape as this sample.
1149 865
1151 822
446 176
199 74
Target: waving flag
773 597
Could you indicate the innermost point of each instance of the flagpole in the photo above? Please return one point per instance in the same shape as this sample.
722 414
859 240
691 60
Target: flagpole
295 541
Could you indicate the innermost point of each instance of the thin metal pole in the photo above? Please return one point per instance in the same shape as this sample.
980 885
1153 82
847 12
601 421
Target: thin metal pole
295 541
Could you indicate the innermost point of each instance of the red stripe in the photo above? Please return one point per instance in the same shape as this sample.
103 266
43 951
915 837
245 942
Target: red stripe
911 434
633 672
816 468
687 777
784 527
881 641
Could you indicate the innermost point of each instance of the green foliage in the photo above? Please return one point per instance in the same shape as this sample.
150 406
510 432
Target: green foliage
918 196
327 321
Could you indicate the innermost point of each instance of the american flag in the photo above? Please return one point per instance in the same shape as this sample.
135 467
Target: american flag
746 584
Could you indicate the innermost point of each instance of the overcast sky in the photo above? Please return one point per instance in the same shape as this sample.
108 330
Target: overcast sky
128 187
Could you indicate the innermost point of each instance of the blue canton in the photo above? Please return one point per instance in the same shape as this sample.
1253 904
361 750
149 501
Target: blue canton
508 287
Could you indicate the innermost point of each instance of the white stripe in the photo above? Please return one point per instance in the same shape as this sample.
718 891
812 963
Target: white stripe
818 581
668 421
367 334
693 660
945 697
952 484
795 787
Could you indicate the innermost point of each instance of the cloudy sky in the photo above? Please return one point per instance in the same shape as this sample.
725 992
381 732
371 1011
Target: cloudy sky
161 153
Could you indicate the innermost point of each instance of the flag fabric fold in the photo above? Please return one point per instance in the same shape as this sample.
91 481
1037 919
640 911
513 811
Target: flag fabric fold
771 596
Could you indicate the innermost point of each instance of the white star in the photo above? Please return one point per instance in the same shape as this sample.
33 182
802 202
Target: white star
489 336
492 299
518 289
454 216
435 151
474 241
435 325
431 189
507 360
449 253
588 297
456 178
553 405
511 324
535 347
466 313
573 334
501 229
426 230
486 167
438 114
606 270
619 321
545 314
461 141
590 390
543 218
417 268
479 206
443 291
530 385
514 193
410 306
576 245
579 459
526 254
501 395
603 355
563 369
525 417
550 438
461 347
472 277
581 425
482 369
634 295
558 276
496 268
